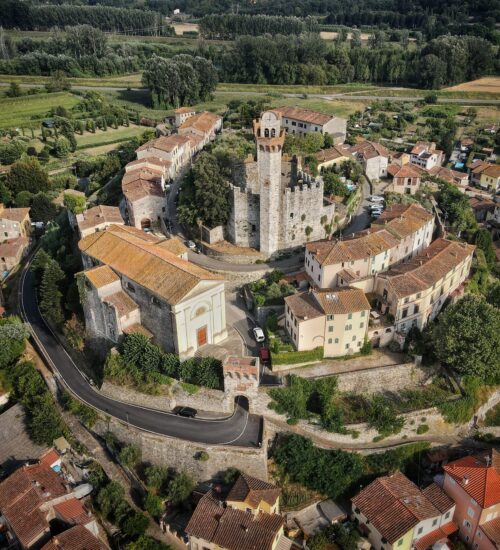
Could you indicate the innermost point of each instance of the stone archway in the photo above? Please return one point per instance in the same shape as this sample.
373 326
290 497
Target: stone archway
146 223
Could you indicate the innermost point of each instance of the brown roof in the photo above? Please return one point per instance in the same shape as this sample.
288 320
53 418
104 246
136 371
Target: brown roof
101 276
423 147
122 302
204 122
480 203
402 220
49 457
304 305
360 246
492 530
72 511
13 247
493 170
155 161
252 491
140 188
429 267
313 117
76 538
174 245
164 143
181 110
407 171
447 174
342 300
441 533
97 215
144 173
126 251
14 214
370 149
21 496
233 529
438 497
394 505
478 166
335 152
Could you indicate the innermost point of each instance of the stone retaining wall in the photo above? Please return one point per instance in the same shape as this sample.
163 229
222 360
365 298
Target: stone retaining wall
204 399
493 401
182 455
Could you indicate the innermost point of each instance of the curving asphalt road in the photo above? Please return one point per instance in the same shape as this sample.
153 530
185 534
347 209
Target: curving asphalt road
241 429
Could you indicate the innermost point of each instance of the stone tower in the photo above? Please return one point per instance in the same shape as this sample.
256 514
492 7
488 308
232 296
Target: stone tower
270 138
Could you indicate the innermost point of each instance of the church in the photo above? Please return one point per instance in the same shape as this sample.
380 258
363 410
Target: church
275 204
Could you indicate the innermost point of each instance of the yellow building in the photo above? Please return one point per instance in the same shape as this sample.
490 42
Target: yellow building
336 320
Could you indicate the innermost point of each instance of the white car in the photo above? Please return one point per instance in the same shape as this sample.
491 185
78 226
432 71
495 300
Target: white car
191 245
376 199
258 334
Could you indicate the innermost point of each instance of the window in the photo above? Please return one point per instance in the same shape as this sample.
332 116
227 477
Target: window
405 313
470 512
359 344
354 338
418 295
416 308
434 522
400 542
336 340
155 301
447 515
363 313
347 346
329 340
361 325
330 328
349 316
420 529
291 215
294 123
330 317
467 524
407 300
6 234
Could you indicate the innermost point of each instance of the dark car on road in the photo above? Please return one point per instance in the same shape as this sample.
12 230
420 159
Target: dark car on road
265 356
187 412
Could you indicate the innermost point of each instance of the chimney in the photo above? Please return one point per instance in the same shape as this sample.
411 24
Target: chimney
465 480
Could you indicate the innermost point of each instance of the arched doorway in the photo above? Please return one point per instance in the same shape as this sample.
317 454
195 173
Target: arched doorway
146 223
242 401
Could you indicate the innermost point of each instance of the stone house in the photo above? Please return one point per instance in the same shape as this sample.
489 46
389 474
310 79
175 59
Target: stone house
14 222
393 513
12 252
333 156
336 320
451 176
374 158
482 208
406 179
473 482
182 114
76 538
303 121
275 206
136 282
414 292
204 126
425 155
247 519
98 218
398 234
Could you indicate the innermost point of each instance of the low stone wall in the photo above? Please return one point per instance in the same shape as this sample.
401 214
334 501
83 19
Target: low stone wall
492 402
238 259
182 455
205 399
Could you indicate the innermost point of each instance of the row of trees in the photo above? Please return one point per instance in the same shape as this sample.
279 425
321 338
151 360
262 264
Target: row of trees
307 59
182 80
227 27
33 16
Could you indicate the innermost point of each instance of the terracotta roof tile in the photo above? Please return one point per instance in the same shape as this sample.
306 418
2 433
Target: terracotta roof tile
101 276
404 505
98 215
477 479
49 457
442 533
493 171
14 214
140 188
429 267
146 263
13 247
121 302
253 490
203 122
233 529
182 110
370 149
76 538
174 245
72 511
305 115
438 497
342 300
335 152
164 143
154 161
492 530
304 306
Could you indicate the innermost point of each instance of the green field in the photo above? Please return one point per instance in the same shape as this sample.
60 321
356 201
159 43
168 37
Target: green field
23 111
100 138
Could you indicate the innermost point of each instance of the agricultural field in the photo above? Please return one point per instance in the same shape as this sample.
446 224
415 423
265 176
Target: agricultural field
30 110
109 137
181 28
488 84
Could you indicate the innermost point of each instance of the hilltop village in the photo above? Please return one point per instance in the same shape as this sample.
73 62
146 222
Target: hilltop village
275 348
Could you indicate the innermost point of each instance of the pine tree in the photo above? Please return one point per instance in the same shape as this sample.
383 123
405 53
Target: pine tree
50 293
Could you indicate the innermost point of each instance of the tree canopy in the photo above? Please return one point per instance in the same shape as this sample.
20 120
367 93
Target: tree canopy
467 338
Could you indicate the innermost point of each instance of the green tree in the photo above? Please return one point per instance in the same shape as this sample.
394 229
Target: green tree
27 175
75 203
135 525
42 208
493 296
383 417
147 543
109 498
13 335
130 455
466 338
180 488
14 90
154 505
156 478
50 293
62 147
23 199
484 241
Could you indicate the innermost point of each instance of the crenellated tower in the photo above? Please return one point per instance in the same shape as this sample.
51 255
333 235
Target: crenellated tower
270 138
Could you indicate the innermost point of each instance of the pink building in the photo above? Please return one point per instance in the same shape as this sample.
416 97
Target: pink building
474 484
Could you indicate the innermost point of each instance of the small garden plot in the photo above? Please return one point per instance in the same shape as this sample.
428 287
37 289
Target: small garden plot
270 290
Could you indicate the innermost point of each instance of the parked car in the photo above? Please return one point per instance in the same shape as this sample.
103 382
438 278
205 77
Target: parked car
376 198
191 245
265 356
258 334
187 412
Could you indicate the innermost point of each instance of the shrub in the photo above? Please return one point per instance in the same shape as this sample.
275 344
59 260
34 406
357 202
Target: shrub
130 455
422 429
153 504
203 456
383 417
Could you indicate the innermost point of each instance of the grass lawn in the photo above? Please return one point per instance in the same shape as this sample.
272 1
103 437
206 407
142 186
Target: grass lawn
123 133
21 111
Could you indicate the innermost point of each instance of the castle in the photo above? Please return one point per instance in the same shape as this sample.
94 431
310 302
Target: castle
275 205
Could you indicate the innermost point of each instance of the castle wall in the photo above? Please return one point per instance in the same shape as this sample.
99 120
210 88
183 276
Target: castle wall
244 222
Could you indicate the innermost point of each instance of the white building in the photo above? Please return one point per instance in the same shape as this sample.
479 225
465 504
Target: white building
303 121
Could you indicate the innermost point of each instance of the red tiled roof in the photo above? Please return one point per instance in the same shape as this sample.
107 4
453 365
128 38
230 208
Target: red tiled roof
306 115
370 149
253 490
438 497
404 505
72 511
477 479
49 457
233 529
492 530
76 538
431 538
